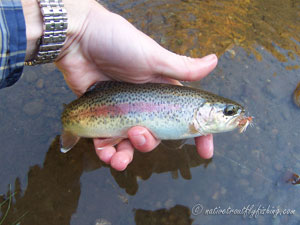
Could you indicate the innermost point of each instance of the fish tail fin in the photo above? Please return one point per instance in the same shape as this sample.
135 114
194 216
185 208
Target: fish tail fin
67 141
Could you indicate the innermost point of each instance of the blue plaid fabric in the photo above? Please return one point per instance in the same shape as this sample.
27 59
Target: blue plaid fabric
13 41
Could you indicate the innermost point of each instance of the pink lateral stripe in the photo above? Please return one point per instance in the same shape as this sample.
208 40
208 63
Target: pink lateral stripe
125 108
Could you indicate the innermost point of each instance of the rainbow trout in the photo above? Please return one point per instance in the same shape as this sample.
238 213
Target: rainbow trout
110 108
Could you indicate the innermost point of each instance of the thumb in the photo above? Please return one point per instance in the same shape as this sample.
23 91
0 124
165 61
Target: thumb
184 68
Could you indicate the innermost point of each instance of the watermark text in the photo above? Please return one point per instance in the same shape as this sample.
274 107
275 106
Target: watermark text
250 211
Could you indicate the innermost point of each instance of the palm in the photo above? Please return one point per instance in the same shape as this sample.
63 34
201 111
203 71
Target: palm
124 54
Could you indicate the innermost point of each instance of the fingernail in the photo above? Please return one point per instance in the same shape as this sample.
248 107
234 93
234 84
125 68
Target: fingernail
140 140
209 57
138 136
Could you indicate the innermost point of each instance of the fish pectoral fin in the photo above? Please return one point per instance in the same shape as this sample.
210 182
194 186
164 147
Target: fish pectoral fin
193 129
107 142
67 141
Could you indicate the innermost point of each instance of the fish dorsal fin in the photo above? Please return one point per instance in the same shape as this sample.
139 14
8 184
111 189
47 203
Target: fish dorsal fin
103 85
67 141
92 87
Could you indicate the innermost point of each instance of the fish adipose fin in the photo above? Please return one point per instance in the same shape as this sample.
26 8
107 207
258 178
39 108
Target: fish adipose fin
67 141
107 142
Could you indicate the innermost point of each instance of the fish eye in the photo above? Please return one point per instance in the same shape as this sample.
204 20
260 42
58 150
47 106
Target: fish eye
230 110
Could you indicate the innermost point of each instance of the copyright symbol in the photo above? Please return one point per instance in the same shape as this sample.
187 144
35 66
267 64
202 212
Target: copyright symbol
197 209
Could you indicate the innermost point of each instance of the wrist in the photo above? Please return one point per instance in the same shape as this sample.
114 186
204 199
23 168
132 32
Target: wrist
34 26
77 13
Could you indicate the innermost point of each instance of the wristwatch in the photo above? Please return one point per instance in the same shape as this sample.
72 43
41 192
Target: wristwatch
54 31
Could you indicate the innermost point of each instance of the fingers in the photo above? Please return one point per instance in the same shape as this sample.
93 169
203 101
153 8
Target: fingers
205 146
106 153
185 68
119 157
122 155
142 139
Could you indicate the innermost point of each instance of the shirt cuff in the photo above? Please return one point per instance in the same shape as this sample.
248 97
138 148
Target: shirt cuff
13 42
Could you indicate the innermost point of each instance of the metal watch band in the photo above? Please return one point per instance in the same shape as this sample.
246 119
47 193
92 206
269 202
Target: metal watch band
54 34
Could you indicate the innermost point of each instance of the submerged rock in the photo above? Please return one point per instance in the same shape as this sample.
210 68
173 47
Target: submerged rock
297 95
40 83
34 107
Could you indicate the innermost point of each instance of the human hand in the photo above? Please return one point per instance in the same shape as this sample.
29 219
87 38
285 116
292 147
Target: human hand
105 46
102 46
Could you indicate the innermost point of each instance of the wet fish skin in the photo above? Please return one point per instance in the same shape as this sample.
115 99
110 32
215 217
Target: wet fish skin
110 108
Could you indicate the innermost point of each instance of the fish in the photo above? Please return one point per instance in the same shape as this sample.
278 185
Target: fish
170 112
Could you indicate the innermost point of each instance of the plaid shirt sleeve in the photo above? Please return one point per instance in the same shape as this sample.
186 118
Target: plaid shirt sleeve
13 41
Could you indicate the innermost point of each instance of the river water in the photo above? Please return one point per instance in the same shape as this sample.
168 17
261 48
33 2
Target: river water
244 183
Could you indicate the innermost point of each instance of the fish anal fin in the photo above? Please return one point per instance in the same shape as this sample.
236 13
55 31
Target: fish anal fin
67 141
107 142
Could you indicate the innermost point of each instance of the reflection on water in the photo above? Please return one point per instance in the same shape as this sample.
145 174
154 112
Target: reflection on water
49 199
47 190
177 215
161 160
164 185
198 27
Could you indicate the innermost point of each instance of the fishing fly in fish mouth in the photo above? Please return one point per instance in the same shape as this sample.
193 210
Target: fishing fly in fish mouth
110 109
